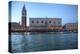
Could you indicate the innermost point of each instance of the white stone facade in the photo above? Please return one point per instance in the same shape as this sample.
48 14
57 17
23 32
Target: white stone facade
41 22
71 26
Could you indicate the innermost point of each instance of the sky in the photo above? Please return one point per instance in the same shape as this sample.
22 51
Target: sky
68 13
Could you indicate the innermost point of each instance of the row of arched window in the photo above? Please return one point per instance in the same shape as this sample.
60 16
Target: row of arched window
46 22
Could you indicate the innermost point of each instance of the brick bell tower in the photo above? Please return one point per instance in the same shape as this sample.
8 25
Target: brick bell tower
24 17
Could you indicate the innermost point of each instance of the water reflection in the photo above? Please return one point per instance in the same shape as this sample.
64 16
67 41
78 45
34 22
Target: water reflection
25 42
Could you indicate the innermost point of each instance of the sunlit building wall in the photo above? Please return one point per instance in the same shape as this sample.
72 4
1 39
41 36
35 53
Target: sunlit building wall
46 23
71 27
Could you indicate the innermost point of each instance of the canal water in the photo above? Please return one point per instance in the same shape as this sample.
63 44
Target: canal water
32 41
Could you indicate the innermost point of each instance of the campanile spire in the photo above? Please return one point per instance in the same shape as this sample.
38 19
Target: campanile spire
24 16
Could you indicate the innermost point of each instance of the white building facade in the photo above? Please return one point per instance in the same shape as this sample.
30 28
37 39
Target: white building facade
72 27
45 23
33 22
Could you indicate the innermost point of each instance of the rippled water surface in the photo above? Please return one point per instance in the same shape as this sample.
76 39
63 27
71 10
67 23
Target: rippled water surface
28 42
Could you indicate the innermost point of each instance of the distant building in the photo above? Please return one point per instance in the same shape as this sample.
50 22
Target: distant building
46 23
17 26
24 20
72 27
41 24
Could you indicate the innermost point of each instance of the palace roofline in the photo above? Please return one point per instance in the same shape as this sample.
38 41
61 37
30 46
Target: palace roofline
44 18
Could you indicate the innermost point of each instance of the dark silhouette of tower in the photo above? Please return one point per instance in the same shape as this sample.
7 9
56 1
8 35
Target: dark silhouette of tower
24 16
